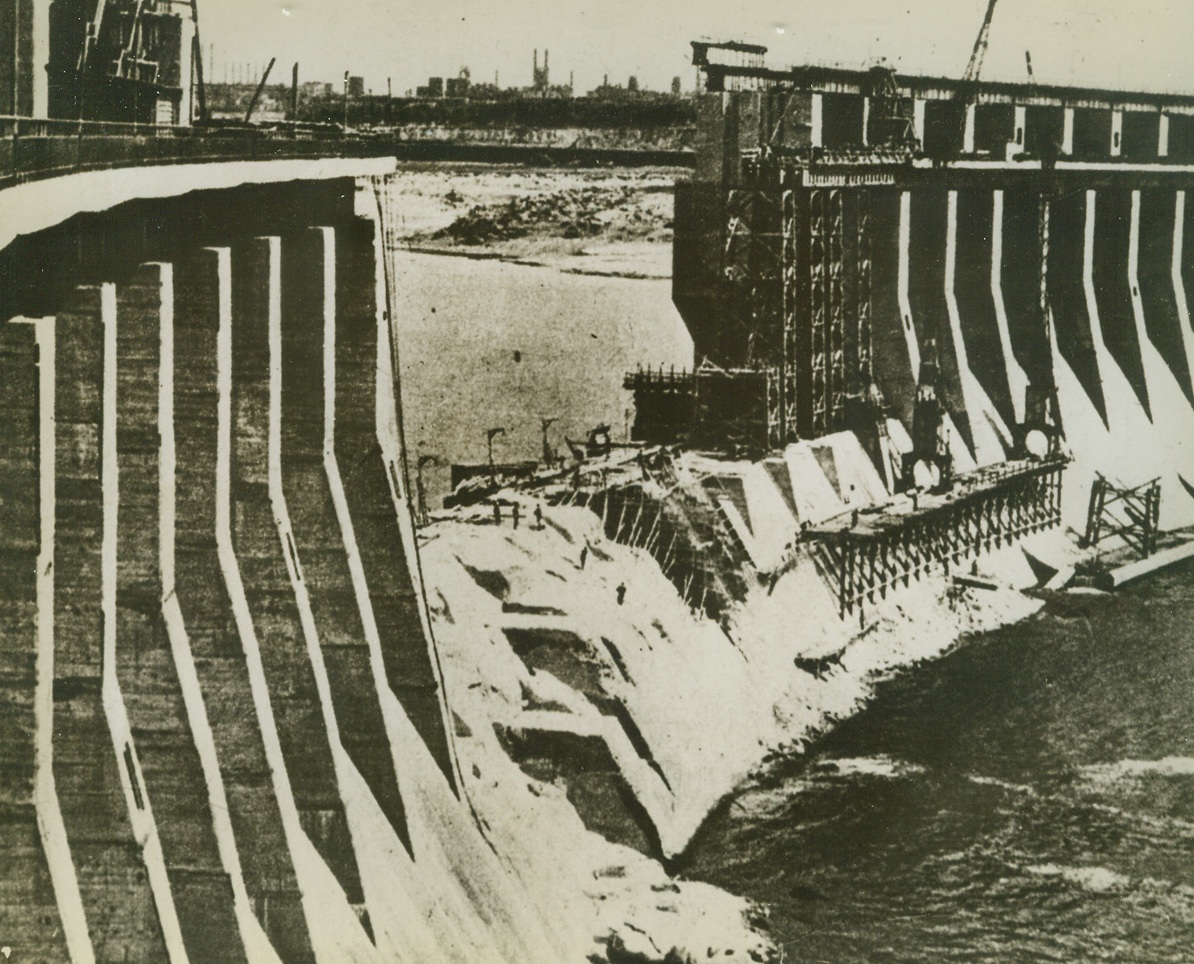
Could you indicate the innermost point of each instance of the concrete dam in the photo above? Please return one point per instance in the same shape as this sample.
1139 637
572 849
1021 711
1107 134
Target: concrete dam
252 712
219 688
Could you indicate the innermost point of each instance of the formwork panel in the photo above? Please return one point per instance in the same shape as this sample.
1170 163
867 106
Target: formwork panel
698 283
1044 130
1092 134
945 124
994 128
841 120
1141 135
1181 137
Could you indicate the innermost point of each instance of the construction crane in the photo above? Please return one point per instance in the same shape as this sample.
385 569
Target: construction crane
260 88
975 67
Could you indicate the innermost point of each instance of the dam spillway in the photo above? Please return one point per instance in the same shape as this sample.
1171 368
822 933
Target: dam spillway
844 228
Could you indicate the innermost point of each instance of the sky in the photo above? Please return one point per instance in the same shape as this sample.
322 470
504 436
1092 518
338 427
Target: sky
1116 43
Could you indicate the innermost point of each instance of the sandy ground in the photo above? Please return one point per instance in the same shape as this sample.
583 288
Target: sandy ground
616 222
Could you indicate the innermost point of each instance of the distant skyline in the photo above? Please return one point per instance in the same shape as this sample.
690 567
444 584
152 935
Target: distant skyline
1089 42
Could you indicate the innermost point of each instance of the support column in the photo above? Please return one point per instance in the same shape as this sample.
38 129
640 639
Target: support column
49 811
918 120
148 641
30 920
990 436
905 270
352 548
113 838
1179 285
209 643
288 647
1016 376
317 539
41 57
372 464
1092 304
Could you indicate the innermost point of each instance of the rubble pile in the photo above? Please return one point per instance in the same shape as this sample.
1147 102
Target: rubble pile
613 213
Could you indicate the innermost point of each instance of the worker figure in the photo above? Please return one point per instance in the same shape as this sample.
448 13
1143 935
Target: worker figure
584 554
515 515
621 590
497 514
538 516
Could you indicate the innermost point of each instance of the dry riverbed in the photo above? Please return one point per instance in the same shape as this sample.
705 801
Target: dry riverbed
601 222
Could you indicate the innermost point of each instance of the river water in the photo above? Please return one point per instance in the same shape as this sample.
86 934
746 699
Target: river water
1028 797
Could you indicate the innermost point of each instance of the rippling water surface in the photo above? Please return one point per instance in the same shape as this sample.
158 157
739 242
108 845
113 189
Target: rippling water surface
1030 797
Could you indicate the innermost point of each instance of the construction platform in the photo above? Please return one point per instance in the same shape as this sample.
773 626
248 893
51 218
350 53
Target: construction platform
866 553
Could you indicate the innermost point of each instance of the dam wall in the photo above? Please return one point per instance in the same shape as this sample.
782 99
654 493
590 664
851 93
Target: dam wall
227 737
1023 251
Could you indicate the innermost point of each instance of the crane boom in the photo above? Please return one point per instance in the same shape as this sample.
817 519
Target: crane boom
975 67
260 88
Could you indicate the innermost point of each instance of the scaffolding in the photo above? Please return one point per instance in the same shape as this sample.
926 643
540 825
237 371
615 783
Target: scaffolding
761 233
864 560
1139 522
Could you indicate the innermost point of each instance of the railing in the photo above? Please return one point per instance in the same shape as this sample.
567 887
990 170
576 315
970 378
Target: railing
660 379
38 148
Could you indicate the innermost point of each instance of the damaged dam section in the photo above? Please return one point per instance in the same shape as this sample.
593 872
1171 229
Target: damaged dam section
904 425
264 705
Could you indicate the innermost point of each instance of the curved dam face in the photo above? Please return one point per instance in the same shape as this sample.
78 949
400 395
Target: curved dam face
225 734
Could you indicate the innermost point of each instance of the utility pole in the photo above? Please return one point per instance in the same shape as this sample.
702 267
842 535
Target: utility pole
294 100
489 437
346 100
